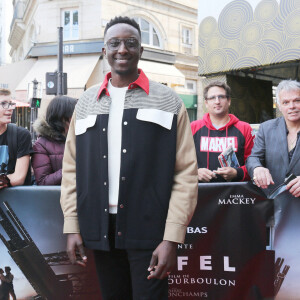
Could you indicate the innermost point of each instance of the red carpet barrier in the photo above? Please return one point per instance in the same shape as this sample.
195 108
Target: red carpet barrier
224 256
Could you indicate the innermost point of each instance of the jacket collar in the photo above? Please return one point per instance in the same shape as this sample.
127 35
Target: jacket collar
142 82
43 129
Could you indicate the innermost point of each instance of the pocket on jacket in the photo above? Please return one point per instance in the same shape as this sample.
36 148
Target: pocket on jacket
82 125
160 117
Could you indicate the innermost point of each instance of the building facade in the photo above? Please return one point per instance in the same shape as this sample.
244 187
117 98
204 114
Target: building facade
169 37
5 19
252 45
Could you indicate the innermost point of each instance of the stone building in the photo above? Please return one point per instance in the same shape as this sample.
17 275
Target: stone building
169 37
5 18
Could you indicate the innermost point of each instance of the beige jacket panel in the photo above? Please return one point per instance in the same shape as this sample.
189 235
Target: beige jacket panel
185 187
68 196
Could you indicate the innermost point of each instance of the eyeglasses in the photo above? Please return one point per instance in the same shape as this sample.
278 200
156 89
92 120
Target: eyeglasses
114 44
214 98
7 105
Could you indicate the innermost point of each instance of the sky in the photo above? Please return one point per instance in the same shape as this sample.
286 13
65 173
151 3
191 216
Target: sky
43 220
214 7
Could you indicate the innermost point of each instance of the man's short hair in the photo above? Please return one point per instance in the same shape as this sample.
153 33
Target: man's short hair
5 92
219 84
122 20
286 85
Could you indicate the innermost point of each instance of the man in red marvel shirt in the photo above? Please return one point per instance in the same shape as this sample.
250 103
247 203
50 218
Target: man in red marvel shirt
216 132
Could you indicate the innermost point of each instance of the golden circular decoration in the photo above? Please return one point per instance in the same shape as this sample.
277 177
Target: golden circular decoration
292 24
266 11
294 43
236 45
286 55
233 18
252 33
215 61
288 6
231 55
273 47
201 66
274 34
214 42
259 51
245 62
207 27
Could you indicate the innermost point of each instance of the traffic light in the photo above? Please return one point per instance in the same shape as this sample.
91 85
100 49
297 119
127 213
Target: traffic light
35 94
36 103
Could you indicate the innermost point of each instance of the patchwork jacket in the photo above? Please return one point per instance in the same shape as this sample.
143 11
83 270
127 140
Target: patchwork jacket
158 172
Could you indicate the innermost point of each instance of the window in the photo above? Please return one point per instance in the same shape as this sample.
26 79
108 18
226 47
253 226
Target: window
186 40
190 85
186 36
150 35
70 24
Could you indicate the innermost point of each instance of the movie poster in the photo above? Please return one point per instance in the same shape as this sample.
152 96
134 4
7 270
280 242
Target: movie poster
33 246
224 256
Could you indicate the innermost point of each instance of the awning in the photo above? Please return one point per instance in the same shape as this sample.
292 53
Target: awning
20 103
190 101
163 73
78 68
12 74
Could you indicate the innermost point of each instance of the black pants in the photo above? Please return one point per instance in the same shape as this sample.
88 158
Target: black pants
123 273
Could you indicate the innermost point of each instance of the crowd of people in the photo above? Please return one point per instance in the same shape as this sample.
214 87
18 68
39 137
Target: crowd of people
132 163
259 157
47 152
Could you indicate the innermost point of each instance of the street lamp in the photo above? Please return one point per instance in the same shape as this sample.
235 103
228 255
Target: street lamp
34 97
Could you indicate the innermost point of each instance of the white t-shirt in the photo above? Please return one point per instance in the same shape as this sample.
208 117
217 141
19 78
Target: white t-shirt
114 136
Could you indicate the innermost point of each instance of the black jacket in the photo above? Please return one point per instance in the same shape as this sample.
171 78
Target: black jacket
158 174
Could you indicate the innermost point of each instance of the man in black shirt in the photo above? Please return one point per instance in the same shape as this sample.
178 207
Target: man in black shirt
14 156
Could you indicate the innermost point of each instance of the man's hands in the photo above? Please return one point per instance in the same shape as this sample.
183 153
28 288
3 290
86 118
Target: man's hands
74 241
205 175
4 181
2 185
262 177
163 260
228 173
294 187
